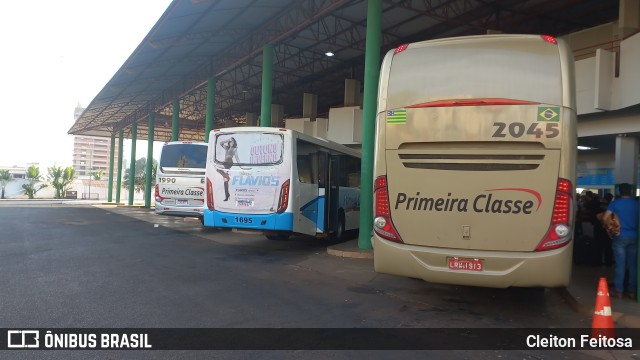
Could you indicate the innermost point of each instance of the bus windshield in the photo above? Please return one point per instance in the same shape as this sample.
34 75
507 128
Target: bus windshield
183 157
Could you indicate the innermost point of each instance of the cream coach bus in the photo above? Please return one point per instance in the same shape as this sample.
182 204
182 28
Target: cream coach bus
475 161
180 179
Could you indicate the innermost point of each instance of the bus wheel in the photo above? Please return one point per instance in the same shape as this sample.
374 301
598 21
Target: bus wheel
339 234
278 236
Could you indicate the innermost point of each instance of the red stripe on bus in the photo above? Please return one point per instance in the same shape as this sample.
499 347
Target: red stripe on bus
472 102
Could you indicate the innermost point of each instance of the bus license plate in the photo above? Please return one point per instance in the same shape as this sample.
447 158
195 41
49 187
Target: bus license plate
456 263
183 201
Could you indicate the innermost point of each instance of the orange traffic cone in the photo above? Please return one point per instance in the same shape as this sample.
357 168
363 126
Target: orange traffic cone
602 320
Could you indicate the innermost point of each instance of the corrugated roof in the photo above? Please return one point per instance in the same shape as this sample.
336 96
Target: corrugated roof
194 40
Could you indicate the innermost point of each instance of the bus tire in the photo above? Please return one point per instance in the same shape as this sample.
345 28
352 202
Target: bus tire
281 236
339 234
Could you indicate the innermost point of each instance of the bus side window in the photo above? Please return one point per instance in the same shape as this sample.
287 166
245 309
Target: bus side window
307 161
352 172
353 180
304 169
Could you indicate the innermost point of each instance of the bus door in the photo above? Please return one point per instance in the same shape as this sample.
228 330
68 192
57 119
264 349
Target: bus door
306 218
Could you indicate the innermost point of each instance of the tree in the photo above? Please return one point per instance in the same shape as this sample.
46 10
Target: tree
140 176
95 175
5 177
98 174
154 171
34 177
61 179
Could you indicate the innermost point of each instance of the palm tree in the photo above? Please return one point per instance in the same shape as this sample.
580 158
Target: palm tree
67 178
60 179
33 175
98 174
5 177
95 175
55 178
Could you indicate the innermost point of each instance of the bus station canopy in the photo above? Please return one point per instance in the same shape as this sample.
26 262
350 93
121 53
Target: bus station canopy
196 40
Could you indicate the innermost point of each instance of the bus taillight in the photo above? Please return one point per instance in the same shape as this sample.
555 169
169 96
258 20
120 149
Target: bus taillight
559 233
400 48
284 197
549 39
158 197
209 195
382 224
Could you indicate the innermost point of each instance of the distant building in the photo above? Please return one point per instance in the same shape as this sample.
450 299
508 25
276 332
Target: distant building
17 172
91 153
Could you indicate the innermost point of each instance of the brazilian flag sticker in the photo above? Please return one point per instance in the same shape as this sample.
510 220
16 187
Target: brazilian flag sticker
398 116
549 113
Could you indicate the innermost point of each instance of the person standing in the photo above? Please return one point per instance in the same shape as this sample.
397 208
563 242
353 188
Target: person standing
624 244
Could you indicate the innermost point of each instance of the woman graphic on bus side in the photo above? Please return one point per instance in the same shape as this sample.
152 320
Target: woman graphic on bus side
230 147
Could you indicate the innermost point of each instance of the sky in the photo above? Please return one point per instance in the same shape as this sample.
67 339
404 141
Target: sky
57 54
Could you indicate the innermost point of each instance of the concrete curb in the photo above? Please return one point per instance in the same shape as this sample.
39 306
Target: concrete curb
348 250
622 319
573 303
137 206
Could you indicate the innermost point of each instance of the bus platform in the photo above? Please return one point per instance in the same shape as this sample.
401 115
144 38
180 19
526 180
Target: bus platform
580 295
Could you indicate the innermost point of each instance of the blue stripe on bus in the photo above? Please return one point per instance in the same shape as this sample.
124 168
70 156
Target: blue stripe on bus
312 209
282 222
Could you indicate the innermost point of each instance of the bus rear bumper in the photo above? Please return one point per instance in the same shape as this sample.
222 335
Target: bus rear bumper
268 222
550 268
195 211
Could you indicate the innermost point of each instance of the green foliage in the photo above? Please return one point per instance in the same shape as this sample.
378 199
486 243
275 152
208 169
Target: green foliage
5 177
34 177
97 174
61 179
140 175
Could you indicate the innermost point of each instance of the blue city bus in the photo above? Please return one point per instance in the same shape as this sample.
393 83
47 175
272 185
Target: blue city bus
281 182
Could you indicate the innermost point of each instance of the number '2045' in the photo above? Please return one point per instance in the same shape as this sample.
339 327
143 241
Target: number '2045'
518 129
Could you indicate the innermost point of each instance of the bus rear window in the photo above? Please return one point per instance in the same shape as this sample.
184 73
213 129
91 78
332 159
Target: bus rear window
183 156
248 149
472 69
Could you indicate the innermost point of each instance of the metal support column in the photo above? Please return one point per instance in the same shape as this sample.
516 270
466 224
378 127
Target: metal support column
119 180
175 121
111 155
149 166
132 167
211 107
371 76
267 85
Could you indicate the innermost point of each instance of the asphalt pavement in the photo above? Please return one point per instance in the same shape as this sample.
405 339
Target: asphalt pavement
92 266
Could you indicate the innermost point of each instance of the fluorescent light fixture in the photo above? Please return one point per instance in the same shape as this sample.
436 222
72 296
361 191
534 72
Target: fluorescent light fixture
329 53
580 147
